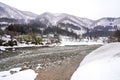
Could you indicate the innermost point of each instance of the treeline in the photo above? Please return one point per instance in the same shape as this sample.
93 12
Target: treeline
98 33
101 31
39 29
10 20
22 28
54 29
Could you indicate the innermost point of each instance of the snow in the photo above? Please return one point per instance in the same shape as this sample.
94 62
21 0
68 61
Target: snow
6 38
11 12
69 41
18 75
101 64
106 69
108 50
55 19
80 43
106 22
65 40
2 48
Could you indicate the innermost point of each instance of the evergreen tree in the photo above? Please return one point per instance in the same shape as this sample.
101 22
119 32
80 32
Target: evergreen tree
117 35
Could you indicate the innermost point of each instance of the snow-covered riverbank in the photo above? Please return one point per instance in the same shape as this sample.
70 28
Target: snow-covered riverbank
53 61
63 43
101 64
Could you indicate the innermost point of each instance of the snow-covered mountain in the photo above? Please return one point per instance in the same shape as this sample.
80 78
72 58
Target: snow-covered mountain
77 24
108 21
10 12
57 18
54 19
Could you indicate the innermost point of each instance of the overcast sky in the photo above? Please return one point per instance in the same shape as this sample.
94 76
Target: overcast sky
93 9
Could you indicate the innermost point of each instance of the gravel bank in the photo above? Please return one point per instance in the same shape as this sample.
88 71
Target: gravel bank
56 63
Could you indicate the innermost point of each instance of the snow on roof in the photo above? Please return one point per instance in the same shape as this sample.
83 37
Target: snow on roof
101 64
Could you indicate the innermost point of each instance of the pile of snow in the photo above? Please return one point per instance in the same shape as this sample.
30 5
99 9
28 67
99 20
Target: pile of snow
101 64
2 48
6 38
16 74
70 41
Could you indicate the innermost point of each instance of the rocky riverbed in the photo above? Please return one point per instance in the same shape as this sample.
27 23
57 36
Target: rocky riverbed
51 63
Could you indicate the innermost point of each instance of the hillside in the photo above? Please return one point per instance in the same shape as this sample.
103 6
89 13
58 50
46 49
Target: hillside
69 23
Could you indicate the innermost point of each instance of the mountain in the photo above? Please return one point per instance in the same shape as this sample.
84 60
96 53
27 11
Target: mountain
65 21
108 21
13 13
103 27
54 19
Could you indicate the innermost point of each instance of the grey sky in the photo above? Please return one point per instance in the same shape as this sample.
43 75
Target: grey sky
93 9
